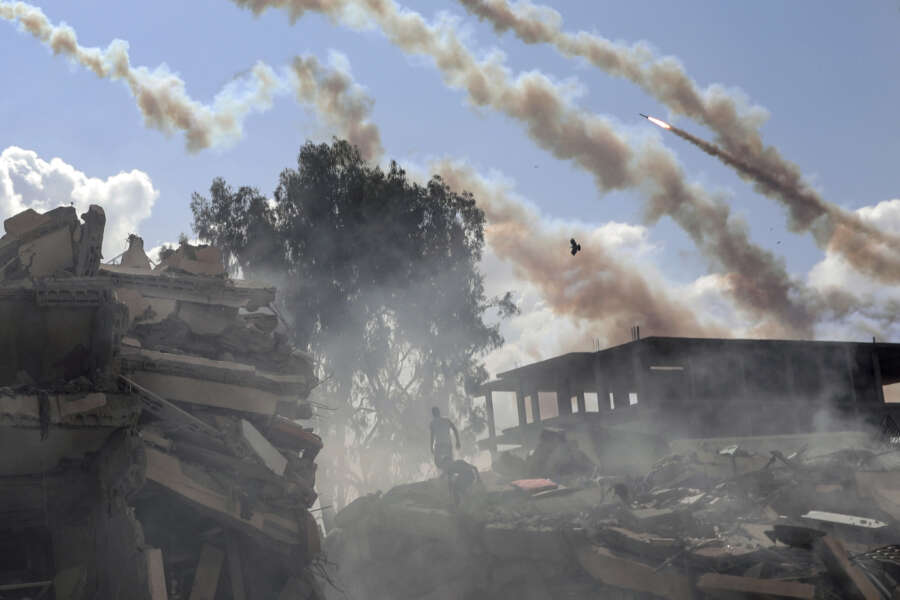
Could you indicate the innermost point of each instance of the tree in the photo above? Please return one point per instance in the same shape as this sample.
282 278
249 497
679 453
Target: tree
378 277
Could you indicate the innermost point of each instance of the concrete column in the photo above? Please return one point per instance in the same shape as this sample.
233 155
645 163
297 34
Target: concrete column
536 406
520 407
879 386
564 398
849 360
489 410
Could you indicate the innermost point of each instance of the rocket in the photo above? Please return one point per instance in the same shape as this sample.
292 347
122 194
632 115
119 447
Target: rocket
656 121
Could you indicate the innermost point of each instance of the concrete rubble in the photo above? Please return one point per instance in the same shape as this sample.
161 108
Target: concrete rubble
152 448
803 516
150 440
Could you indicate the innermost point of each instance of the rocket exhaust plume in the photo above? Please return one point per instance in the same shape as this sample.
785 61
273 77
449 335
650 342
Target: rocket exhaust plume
338 99
762 286
160 94
736 126
870 250
656 121
165 105
598 288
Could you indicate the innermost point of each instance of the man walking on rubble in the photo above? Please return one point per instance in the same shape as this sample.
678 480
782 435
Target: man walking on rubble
441 446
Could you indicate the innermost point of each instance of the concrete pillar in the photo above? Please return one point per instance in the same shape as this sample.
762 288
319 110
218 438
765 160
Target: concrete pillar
536 406
520 407
564 398
489 410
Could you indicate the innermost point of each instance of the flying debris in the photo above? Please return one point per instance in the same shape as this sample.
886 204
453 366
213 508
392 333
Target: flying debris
576 247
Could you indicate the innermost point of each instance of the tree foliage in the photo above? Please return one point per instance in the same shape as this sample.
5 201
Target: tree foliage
378 277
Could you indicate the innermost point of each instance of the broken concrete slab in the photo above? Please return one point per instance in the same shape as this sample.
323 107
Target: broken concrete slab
425 523
169 472
196 260
883 488
270 456
23 222
638 544
205 290
209 393
510 541
854 581
156 574
748 587
220 371
287 434
206 578
235 568
605 566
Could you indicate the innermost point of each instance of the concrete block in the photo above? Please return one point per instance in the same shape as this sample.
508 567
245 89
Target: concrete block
749 587
510 542
270 456
620 572
206 578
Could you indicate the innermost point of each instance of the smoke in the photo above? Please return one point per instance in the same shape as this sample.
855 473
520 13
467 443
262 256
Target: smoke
870 250
594 286
339 100
761 285
165 105
726 113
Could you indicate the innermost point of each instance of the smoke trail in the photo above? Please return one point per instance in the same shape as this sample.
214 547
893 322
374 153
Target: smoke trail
165 105
763 288
596 286
736 126
160 94
868 249
339 100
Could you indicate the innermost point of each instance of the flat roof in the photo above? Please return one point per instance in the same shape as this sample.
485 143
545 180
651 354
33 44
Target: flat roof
889 353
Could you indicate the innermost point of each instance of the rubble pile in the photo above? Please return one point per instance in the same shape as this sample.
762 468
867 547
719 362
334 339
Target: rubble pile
807 516
150 440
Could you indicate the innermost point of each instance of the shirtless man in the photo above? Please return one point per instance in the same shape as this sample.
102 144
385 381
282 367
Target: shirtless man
441 445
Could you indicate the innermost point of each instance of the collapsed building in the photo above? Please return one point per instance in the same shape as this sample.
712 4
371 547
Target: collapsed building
662 468
150 437
152 448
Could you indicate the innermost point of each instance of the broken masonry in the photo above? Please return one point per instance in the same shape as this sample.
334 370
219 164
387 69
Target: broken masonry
150 439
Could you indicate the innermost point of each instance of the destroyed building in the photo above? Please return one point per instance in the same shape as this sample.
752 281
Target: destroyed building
149 415
153 448
664 388
662 468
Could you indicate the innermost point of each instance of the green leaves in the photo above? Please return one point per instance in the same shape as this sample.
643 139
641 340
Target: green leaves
378 276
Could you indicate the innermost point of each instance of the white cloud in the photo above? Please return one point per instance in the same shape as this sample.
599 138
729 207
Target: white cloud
833 272
28 181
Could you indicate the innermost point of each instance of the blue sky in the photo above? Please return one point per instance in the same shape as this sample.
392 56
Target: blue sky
826 71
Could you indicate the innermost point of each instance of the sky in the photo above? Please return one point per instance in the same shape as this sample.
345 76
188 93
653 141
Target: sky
825 73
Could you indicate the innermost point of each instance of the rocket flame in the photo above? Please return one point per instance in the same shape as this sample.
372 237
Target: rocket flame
659 122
